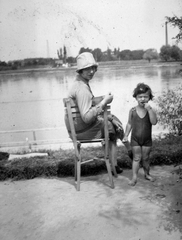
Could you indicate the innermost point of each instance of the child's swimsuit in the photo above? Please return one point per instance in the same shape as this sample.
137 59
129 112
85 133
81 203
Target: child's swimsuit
141 130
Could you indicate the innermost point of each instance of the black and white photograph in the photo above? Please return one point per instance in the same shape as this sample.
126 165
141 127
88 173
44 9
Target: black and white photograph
91 119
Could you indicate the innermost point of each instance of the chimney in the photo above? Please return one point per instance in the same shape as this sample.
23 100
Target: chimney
166 34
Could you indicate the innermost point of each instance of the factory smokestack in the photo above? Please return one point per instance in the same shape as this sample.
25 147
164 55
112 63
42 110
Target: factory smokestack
166 34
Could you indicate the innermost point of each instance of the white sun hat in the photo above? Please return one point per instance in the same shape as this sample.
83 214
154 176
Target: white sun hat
85 60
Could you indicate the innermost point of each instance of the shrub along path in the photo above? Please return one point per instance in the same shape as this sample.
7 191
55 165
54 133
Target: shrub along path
60 163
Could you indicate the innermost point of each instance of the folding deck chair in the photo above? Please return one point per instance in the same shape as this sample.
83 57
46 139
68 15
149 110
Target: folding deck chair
72 111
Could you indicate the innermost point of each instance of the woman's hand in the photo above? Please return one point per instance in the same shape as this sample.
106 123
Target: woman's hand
108 98
118 125
125 139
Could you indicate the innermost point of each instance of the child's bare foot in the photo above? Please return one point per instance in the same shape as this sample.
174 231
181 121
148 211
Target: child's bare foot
132 182
148 177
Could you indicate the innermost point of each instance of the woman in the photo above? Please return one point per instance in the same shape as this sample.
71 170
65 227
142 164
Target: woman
91 123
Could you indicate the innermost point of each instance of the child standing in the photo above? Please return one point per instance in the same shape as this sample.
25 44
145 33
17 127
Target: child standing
140 121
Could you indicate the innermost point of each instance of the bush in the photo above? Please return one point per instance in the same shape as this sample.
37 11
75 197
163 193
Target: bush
61 163
167 150
169 110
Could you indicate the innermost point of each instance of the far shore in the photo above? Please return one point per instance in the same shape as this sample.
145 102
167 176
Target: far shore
123 64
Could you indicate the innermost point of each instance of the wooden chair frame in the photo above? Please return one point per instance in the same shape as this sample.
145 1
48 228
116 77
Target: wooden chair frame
72 111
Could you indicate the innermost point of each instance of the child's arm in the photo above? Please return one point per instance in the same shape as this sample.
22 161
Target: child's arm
152 114
128 127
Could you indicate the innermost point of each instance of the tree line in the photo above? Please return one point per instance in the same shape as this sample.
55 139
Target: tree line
167 53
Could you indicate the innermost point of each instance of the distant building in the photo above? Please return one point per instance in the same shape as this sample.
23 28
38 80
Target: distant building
58 62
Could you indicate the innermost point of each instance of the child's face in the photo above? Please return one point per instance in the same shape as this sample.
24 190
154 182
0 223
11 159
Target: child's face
143 98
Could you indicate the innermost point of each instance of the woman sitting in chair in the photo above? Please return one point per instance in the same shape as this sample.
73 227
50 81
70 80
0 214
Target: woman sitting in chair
91 123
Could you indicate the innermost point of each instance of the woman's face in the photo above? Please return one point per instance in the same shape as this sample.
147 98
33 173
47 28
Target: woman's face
88 73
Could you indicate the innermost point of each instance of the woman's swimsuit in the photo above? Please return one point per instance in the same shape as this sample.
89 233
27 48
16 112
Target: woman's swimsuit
141 130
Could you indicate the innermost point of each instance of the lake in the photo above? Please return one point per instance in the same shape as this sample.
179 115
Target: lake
31 102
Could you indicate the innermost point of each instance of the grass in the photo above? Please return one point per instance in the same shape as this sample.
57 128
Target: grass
61 163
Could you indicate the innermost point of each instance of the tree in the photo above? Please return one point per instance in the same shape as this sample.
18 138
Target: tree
169 110
97 53
150 54
165 52
115 51
3 64
176 22
64 54
71 60
60 54
109 55
82 49
175 53
137 54
125 55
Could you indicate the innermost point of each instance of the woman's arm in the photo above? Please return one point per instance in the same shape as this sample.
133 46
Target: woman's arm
84 100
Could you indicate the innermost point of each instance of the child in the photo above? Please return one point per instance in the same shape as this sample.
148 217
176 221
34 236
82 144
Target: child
140 121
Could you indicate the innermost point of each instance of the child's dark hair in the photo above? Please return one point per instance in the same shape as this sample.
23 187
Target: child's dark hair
142 88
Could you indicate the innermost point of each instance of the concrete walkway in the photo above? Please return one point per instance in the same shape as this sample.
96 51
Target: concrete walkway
52 209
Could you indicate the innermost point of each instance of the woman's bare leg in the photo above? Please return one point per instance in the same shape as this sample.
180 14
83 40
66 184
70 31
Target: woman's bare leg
137 154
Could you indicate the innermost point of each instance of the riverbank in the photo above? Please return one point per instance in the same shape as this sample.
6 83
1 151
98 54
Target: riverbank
122 64
165 151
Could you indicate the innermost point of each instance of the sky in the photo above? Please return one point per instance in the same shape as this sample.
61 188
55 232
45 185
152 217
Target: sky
38 28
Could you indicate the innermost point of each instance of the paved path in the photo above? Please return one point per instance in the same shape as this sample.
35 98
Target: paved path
51 209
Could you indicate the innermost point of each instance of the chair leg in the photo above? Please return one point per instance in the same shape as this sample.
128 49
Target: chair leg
78 166
112 146
109 172
75 168
78 175
106 158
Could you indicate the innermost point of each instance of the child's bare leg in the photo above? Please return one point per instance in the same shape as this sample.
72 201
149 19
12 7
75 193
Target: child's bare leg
135 164
146 163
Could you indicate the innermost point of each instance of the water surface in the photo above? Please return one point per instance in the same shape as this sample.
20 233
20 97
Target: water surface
32 100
